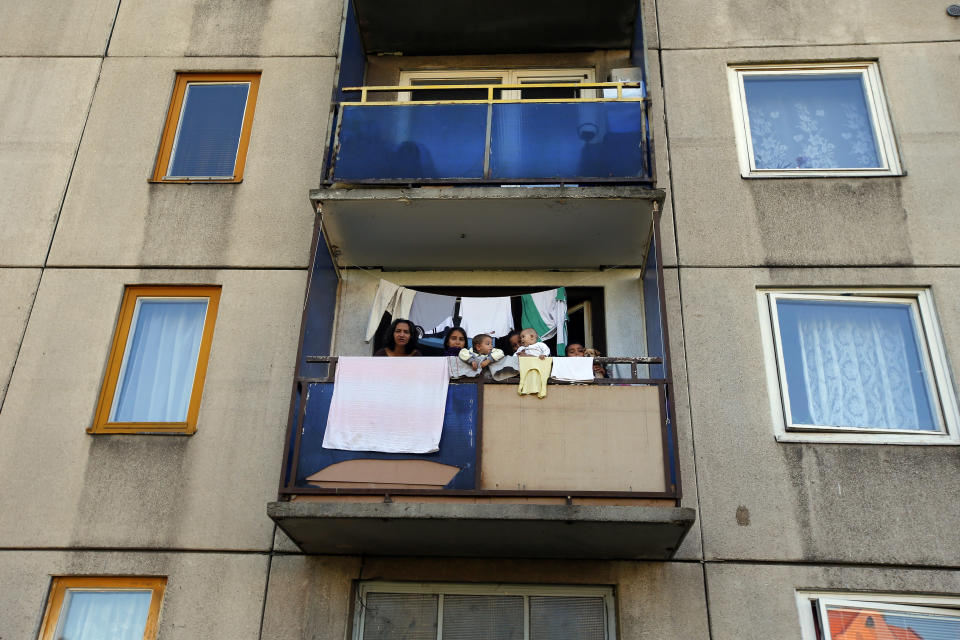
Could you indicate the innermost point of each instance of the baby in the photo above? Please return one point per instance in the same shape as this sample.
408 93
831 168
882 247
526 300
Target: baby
530 345
482 353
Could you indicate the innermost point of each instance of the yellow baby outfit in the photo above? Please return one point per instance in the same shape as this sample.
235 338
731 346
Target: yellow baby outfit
534 373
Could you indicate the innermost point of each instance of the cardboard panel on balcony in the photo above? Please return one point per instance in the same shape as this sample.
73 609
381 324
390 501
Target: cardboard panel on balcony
577 438
488 227
431 27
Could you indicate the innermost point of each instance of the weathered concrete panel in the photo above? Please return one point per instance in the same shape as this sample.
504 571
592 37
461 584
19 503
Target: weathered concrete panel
17 288
741 23
309 597
208 595
56 28
44 105
723 219
113 216
227 28
205 491
751 602
816 502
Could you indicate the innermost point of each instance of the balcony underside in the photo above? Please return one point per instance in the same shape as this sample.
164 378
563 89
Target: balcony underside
483 530
488 227
431 27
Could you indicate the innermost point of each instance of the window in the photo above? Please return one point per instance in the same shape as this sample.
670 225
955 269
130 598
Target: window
832 616
812 119
468 612
156 368
857 366
492 76
92 608
208 128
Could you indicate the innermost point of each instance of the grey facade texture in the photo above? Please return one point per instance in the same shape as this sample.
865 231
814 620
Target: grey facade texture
84 90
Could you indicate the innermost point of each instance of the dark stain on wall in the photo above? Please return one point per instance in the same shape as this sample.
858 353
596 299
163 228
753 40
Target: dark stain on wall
228 27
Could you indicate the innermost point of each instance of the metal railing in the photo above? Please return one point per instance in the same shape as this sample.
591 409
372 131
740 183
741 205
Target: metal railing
600 134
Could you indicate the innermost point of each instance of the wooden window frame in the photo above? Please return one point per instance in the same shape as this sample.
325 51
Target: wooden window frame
60 584
101 422
175 110
504 76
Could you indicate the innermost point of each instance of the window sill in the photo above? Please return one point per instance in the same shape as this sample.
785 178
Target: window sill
144 429
194 181
868 438
761 175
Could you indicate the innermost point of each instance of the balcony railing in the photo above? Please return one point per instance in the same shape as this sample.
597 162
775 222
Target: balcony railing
601 136
610 438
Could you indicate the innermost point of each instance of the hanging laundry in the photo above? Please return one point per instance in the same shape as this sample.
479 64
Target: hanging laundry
534 373
432 312
572 369
546 313
392 299
492 316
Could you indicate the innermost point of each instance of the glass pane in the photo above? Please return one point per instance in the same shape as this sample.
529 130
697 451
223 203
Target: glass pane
855 364
103 615
156 379
482 617
876 624
567 618
209 134
400 616
412 141
807 121
567 140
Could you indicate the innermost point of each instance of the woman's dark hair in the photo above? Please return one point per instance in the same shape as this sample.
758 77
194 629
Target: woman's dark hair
450 332
414 338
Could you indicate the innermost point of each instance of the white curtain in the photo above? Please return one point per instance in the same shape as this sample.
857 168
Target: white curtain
856 371
161 358
104 615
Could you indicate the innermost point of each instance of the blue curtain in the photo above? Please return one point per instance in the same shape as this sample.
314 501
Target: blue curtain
209 134
160 361
103 615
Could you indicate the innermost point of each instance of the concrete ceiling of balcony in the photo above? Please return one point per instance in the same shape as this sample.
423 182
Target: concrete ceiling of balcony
488 227
438 27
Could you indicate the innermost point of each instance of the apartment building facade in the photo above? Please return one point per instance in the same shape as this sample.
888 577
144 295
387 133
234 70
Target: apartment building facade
749 209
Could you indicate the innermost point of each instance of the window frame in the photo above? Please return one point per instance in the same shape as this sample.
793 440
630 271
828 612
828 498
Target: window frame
807 600
933 351
121 335
443 588
880 119
505 76
60 584
174 117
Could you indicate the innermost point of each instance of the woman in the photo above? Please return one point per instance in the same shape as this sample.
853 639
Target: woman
401 340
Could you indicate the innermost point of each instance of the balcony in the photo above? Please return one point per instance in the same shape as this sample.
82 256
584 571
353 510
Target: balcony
601 136
589 471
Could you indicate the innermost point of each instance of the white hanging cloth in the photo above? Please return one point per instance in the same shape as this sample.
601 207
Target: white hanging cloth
492 316
392 299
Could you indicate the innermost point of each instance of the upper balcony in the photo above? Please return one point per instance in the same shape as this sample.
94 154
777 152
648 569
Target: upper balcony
529 133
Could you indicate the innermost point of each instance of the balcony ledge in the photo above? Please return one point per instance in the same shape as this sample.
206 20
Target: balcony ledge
484 530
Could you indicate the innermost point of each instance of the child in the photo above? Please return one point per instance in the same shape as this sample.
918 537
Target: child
454 341
530 344
513 340
482 353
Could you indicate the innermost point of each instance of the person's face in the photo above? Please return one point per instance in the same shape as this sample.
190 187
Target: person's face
484 347
515 341
528 337
575 350
457 340
401 334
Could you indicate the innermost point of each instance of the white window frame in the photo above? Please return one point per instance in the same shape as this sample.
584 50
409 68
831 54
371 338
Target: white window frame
876 105
885 601
932 350
503 76
441 588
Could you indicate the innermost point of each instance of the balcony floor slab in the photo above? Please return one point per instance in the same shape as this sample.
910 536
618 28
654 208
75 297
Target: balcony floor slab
484 530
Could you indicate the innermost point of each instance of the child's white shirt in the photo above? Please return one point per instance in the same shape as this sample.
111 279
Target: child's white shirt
535 349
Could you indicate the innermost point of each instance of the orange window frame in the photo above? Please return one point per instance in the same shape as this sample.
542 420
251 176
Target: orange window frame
58 592
173 121
101 422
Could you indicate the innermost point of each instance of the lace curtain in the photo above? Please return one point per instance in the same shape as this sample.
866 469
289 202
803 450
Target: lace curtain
160 362
102 615
854 364
817 121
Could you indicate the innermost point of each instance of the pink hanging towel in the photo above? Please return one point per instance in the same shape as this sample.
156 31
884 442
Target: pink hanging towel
393 405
